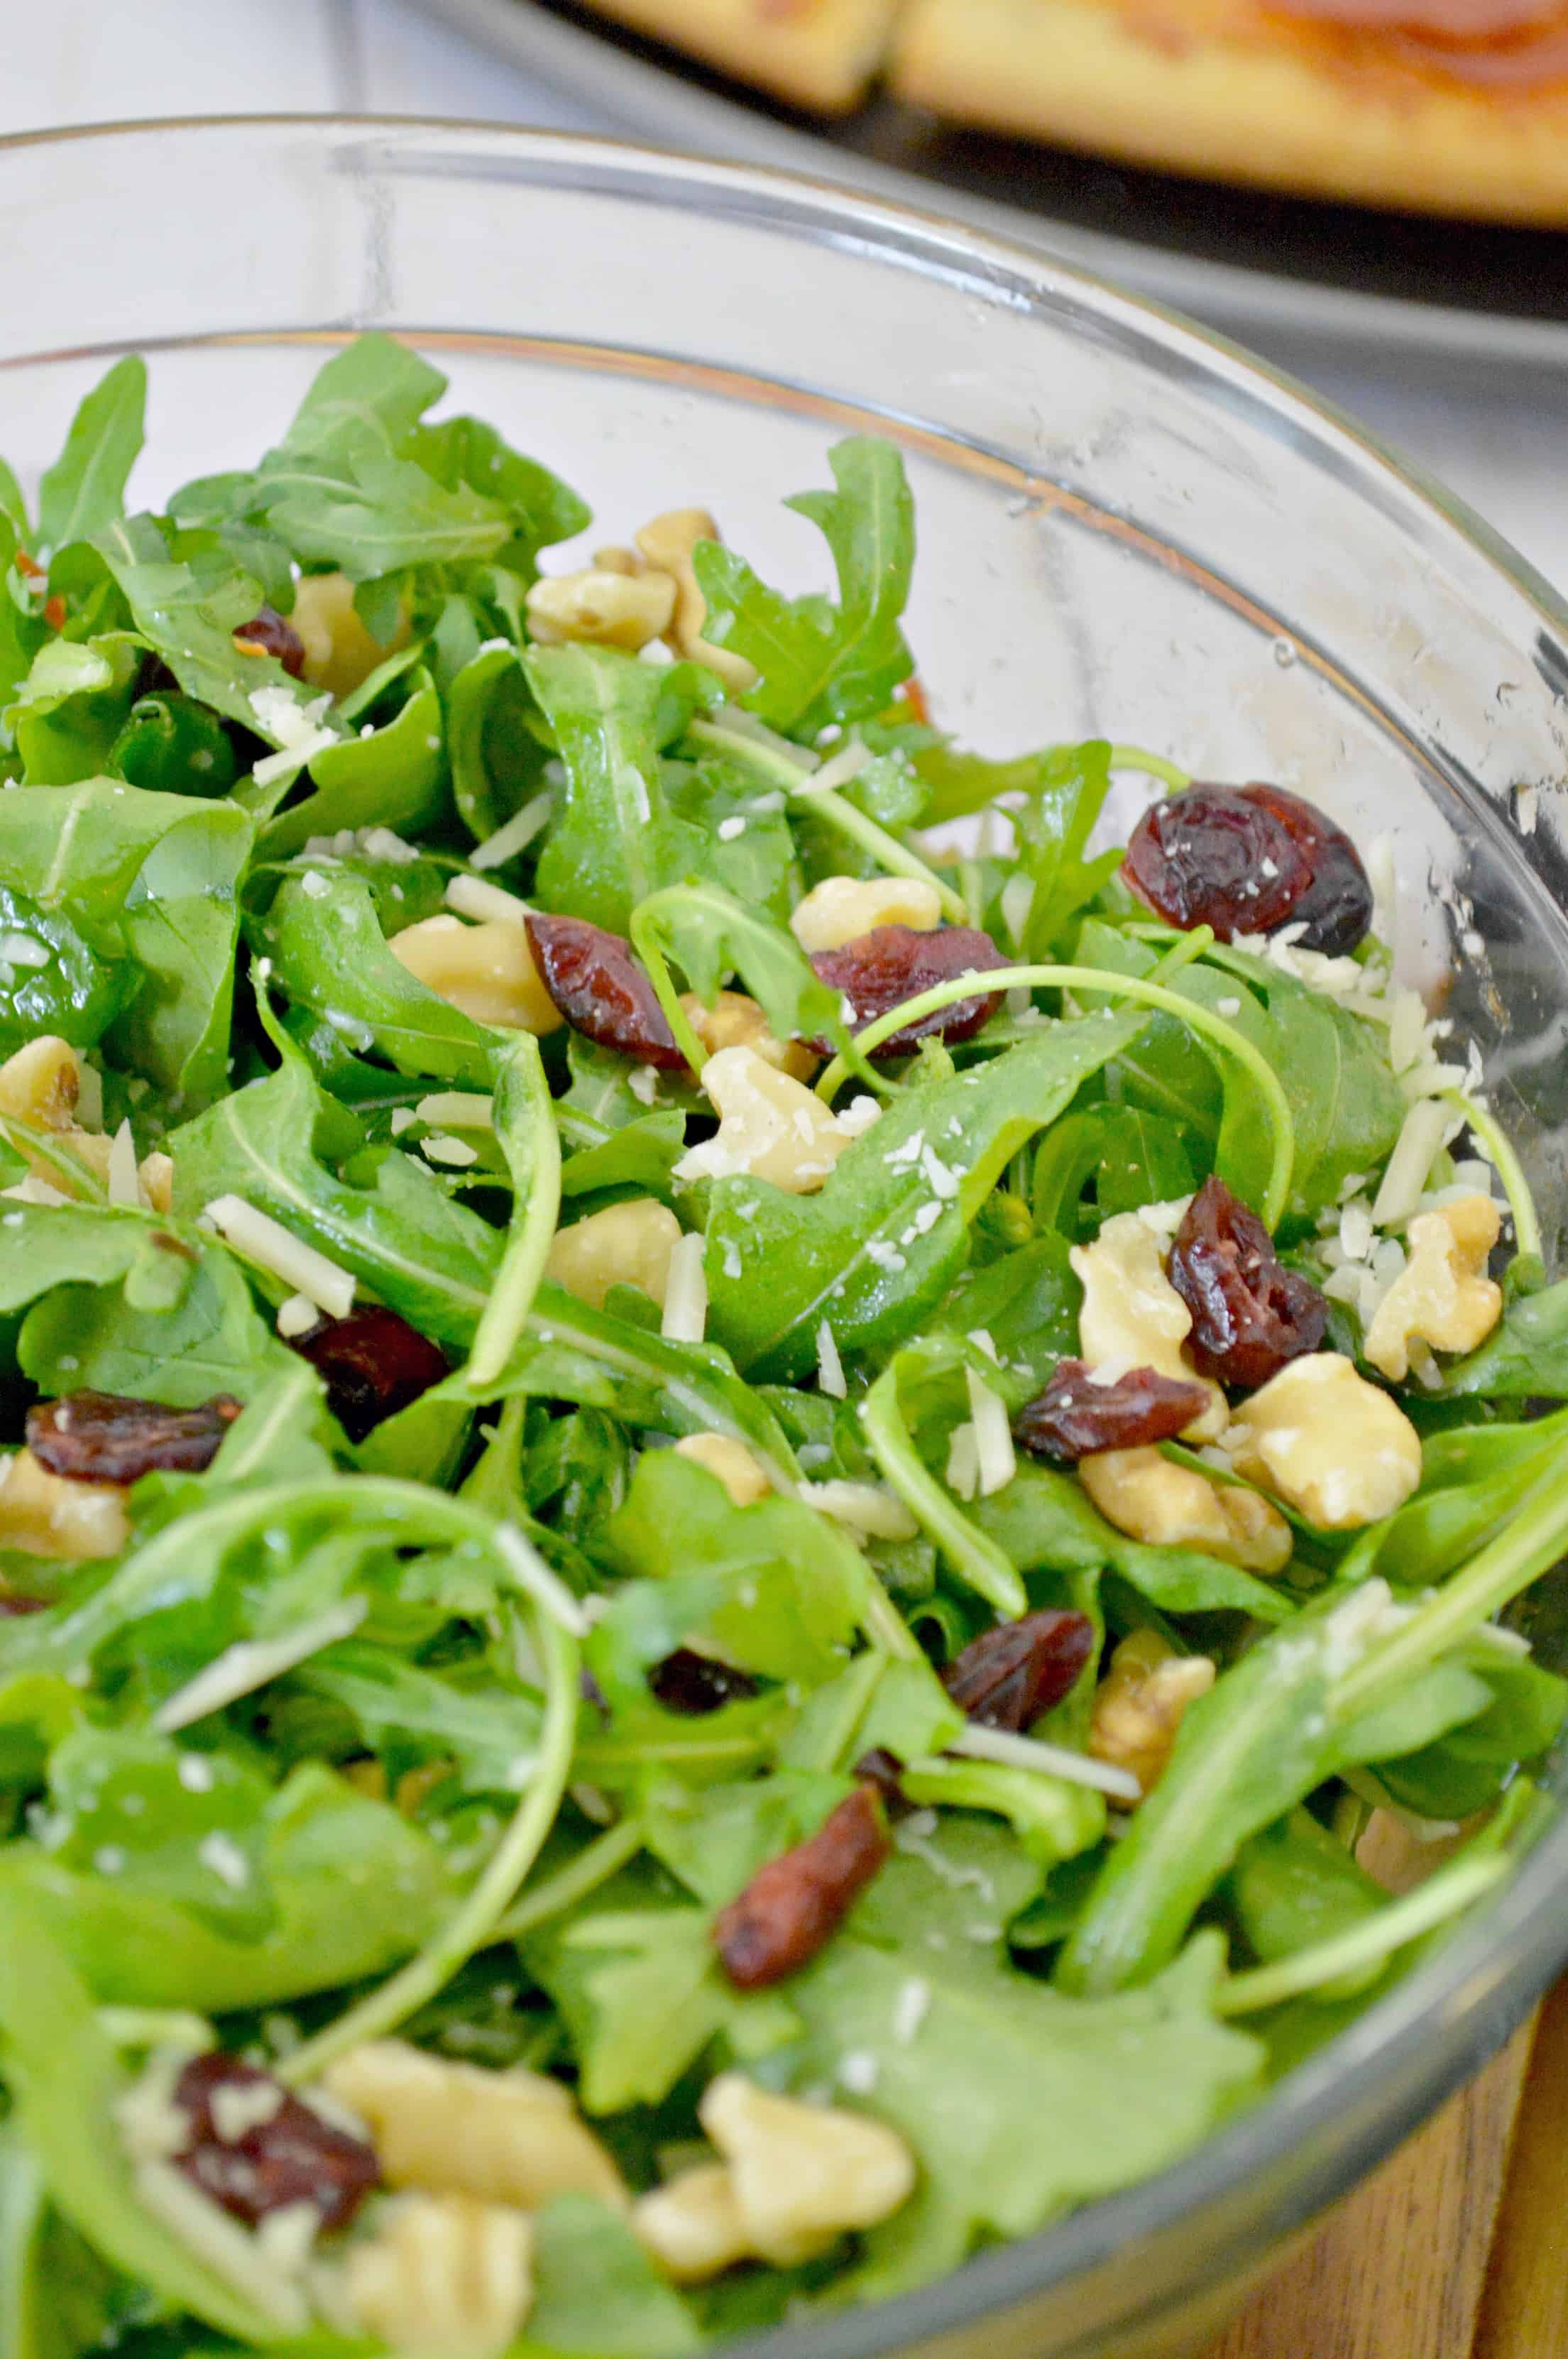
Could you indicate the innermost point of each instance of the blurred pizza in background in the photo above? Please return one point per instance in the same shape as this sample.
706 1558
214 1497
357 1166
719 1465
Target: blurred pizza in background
1457 107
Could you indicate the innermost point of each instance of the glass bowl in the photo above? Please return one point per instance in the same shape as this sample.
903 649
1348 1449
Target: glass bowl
1130 530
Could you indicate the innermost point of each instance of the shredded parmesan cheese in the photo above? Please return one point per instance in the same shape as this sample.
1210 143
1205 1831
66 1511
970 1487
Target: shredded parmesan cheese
519 831
830 1367
686 1293
1052 1760
470 897
252 1663
269 1244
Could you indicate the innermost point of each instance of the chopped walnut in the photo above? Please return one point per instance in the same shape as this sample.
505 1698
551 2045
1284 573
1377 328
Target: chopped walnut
1132 1316
442 2274
1150 1499
840 909
1443 1297
604 607
487 970
734 1021
1329 1444
626 1244
51 1516
1141 1703
731 1460
803 2175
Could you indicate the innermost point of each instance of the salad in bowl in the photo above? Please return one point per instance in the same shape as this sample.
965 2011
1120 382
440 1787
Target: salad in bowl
765 1503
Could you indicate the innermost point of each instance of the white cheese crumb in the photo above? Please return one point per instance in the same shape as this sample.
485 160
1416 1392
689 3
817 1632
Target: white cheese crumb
830 1367
517 833
455 1110
910 2008
470 897
686 1293
269 1244
442 1147
223 1856
315 885
857 2072
296 1316
124 1184
729 828
643 1083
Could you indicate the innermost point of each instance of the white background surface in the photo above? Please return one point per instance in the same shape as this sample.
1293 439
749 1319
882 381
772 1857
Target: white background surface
1501 443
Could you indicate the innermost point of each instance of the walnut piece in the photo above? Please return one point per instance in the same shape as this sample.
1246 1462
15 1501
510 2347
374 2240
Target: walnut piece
1141 1702
802 2174
1329 1444
626 1244
487 971
1145 1495
840 909
1443 1297
442 2274
731 1460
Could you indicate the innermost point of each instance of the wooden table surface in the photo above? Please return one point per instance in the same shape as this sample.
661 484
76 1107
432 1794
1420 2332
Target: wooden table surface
1458 2248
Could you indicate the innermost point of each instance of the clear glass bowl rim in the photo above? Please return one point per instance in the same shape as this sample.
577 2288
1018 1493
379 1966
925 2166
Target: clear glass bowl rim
1428 2035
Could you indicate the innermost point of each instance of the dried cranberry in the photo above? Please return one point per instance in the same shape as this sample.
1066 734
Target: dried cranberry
1336 907
109 1438
1249 1315
880 970
1008 1675
601 990
277 2151
798 1901
275 636
692 1683
1074 1416
12 1605
374 1363
886 1772
1247 860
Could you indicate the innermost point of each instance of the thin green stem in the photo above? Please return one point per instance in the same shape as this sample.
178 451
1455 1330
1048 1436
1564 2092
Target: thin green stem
473 1924
602 1858
1144 993
525 1124
1369 1944
828 805
675 1015
1506 1163
1137 757
886 1626
1529 1545
972 1553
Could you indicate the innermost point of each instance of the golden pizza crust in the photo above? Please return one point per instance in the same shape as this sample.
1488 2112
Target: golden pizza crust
1216 89
815 53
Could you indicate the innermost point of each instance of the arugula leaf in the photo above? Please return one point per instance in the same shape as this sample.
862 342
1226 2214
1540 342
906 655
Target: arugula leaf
409 1717
70 710
541 509
356 1888
276 1143
124 1809
595 2289
1140 2077
633 1973
497 739
395 778
58 2300
820 663
323 936
710 935
107 1337
774 1586
613 838
148 885
84 490
865 1252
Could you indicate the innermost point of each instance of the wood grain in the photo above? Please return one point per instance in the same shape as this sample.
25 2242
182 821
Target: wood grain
1524 2310
1398 2271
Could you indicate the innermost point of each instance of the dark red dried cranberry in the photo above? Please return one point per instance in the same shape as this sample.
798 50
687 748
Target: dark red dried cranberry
11 1604
692 1683
373 1363
1008 1675
798 1901
601 990
1074 1416
108 1438
282 2154
886 1772
275 636
1336 907
1247 860
878 970
1249 1315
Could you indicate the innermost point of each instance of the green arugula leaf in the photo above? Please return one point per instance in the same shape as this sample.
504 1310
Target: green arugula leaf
996 2052
409 1717
875 1249
85 488
613 839
106 1336
595 2289
710 935
820 663
124 1809
541 509
497 738
70 710
275 1144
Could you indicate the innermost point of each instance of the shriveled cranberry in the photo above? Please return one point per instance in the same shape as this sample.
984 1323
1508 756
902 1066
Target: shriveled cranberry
110 1437
1247 860
692 1683
1336 907
373 1363
885 1771
1008 1675
601 990
880 970
12 1605
1074 1416
274 635
253 2148
798 1901
1249 1315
